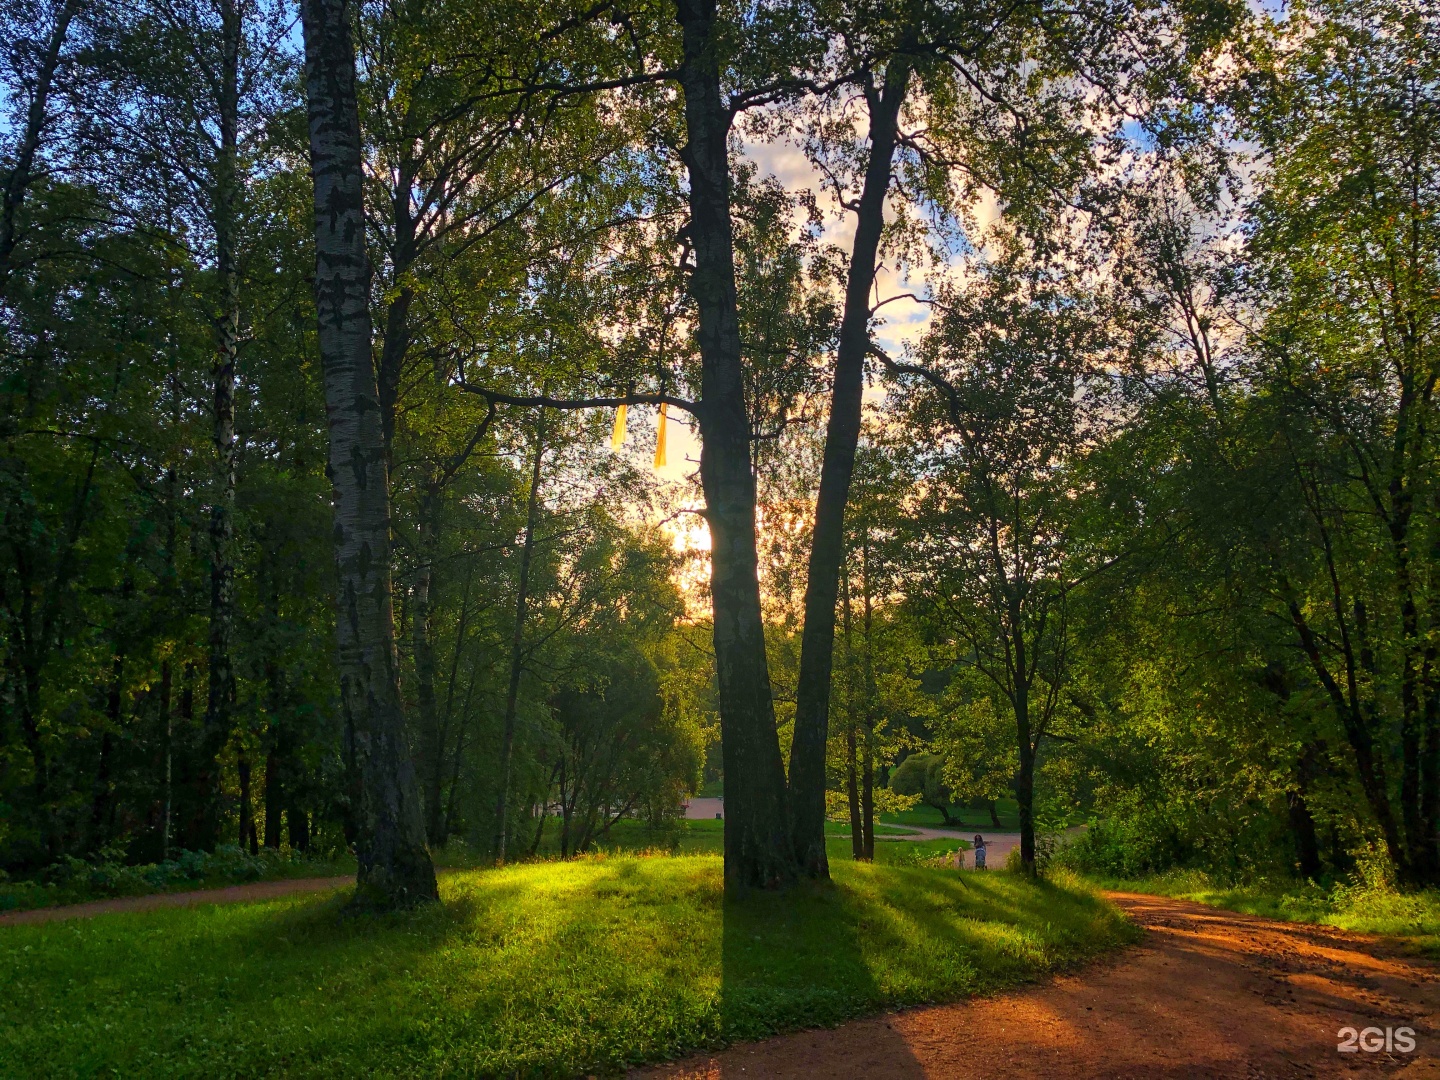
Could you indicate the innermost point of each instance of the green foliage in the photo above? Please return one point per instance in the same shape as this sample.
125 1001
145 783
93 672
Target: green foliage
923 775
549 969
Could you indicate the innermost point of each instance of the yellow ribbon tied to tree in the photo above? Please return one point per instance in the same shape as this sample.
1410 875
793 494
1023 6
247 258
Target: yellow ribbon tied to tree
660 439
617 437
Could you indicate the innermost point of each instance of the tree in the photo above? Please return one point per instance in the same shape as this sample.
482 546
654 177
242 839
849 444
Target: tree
394 866
40 60
1348 350
924 775
997 544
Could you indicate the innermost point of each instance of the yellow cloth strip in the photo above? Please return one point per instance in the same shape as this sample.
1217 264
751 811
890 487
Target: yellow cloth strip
660 439
617 437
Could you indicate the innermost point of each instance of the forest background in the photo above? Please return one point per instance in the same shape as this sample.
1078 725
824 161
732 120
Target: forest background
1131 308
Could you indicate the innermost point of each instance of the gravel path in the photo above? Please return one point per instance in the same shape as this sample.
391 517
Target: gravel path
1209 994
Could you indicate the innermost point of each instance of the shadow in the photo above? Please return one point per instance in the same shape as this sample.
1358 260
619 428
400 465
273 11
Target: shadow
793 963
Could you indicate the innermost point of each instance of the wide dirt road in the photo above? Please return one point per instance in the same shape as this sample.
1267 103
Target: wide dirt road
1208 994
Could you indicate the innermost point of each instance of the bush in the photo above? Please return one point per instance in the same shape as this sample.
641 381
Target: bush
1113 848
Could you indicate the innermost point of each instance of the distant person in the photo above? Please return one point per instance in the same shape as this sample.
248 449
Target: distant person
979 852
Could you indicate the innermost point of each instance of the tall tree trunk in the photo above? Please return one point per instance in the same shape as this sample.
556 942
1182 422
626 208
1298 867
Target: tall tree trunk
274 800
103 795
278 743
17 183
438 817
842 436
867 776
852 776
171 590
247 807
192 806
167 734
224 212
1025 776
565 811
431 728
394 866
396 342
1025 802
759 851
461 734
517 640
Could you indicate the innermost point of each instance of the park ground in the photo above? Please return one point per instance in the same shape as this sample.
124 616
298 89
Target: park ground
543 969
603 964
1207 993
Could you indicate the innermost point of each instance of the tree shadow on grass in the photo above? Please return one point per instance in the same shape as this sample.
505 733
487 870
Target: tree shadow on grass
796 961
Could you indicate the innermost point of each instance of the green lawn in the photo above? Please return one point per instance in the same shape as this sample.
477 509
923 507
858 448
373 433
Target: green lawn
1414 917
707 836
545 969
962 817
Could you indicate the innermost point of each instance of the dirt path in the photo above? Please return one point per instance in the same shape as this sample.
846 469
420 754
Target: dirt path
1208 994
260 890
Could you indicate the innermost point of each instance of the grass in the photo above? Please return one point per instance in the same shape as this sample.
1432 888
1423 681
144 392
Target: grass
544 969
706 836
962 817
1370 909
231 866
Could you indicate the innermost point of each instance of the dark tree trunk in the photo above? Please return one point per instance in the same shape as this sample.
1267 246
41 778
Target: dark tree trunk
1025 783
171 590
759 851
192 802
517 640
397 316
842 435
297 824
103 797
565 810
17 183
274 800
867 777
224 213
277 738
247 836
432 730
167 749
994 817
852 776
1302 829
394 866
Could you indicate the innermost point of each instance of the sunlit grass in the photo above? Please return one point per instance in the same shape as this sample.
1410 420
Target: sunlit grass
1412 916
540 969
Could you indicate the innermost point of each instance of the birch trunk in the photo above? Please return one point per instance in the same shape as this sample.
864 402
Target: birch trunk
225 196
517 641
394 866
